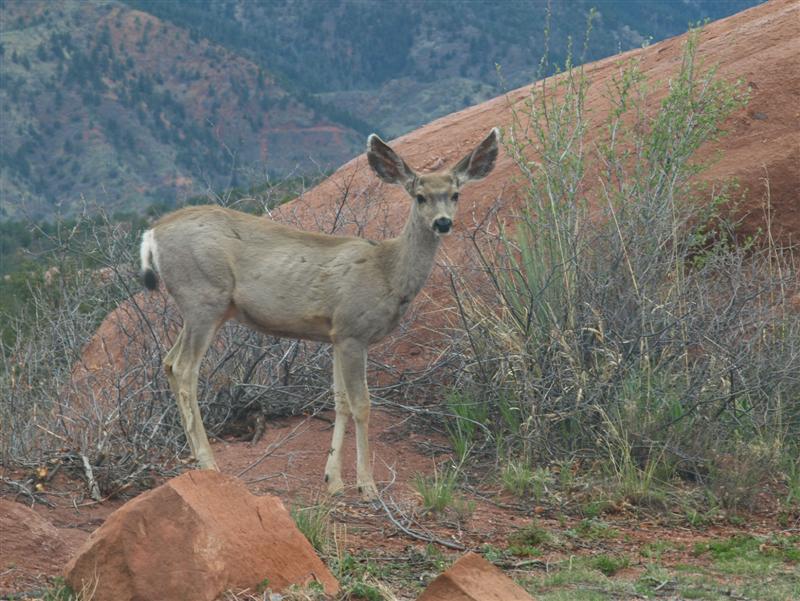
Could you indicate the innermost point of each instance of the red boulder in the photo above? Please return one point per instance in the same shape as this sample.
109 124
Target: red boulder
193 538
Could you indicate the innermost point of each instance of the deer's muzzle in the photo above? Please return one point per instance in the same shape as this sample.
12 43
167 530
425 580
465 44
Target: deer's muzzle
442 225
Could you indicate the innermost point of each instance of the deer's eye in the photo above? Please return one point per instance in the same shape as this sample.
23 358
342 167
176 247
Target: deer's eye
420 198
454 198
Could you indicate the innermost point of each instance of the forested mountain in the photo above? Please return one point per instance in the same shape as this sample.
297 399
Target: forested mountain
109 104
154 100
397 64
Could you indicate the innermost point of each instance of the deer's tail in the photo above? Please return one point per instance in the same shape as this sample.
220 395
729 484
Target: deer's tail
149 257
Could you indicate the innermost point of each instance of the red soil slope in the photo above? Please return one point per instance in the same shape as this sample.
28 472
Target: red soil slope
760 47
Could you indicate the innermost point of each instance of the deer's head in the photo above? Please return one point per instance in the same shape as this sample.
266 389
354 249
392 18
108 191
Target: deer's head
435 194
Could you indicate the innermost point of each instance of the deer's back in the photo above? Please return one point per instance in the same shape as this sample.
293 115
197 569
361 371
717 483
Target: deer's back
278 279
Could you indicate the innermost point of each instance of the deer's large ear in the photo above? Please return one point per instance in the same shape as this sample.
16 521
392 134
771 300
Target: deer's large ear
480 162
387 164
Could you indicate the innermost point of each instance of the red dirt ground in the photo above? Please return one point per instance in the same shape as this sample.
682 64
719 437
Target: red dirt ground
289 461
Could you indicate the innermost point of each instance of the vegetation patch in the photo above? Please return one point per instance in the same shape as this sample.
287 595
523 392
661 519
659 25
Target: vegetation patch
608 564
742 549
529 540
633 328
593 529
314 521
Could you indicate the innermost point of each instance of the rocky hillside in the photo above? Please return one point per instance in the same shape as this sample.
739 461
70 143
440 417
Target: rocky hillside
760 151
109 104
398 65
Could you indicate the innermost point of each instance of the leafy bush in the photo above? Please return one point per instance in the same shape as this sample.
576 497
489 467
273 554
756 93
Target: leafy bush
632 325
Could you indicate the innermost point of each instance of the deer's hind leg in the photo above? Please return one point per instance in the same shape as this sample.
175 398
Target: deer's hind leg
171 357
333 467
182 365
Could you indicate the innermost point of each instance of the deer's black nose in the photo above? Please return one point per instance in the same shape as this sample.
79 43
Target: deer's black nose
442 225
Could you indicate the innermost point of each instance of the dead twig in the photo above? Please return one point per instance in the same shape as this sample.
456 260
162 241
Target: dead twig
23 489
94 489
430 538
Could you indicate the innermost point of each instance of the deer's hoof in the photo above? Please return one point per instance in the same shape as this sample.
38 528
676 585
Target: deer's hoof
368 490
207 464
335 485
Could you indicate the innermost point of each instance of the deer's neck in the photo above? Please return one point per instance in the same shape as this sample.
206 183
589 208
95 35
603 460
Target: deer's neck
411 258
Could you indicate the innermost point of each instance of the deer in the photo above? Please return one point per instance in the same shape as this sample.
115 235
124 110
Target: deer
219 264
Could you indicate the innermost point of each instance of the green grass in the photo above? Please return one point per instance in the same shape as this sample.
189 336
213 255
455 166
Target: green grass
368 592
60 592
593 529
656 549
468 416
706 583
747 554
438 492
742 566
596 507
598 578
516 477
608 564
365 576
314 522
529 536
575 579
522 480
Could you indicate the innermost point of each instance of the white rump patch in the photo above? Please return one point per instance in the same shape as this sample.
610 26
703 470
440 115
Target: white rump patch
147 252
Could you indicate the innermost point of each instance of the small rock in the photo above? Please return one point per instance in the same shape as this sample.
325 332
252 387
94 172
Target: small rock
472 578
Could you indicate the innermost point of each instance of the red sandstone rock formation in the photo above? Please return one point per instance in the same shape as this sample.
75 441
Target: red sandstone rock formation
193 538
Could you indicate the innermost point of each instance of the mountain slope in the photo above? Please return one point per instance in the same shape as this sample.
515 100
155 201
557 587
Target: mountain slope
757 46
400 64
111 104
104 103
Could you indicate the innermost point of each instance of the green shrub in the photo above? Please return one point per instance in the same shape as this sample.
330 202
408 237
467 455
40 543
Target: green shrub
608 564
528 540
633 326
468 416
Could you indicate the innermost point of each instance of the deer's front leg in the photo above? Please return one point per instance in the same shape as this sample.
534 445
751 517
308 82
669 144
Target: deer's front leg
353 361
333 467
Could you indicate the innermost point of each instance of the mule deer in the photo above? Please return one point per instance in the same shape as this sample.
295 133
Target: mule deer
219 264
